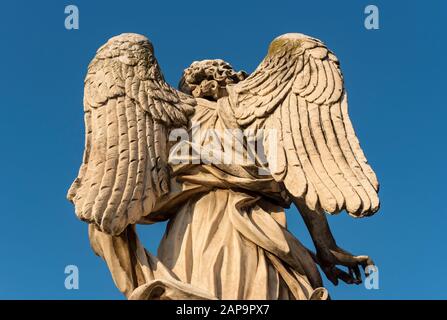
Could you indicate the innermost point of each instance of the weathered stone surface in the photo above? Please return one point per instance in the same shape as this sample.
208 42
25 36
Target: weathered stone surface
154 153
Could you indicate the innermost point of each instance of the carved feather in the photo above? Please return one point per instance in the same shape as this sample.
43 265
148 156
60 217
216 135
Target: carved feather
129 111
300 85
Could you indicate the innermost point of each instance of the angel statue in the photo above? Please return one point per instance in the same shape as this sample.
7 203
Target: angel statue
202 158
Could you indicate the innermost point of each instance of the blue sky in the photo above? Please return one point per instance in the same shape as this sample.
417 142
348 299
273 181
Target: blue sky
393 76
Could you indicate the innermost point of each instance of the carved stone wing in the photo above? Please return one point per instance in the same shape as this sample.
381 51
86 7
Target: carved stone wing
129 110
297 94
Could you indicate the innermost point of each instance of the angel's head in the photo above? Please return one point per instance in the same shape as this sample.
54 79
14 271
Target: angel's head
208 79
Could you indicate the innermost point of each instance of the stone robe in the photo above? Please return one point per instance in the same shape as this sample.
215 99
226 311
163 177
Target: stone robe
226 237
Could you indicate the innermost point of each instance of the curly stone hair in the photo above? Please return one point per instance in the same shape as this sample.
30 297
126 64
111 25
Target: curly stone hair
208 79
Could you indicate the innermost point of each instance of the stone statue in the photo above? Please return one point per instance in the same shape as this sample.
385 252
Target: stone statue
221 159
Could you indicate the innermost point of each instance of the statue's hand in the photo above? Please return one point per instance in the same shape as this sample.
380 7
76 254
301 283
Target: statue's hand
329 257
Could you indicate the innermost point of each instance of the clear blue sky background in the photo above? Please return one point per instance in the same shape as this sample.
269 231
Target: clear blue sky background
397 103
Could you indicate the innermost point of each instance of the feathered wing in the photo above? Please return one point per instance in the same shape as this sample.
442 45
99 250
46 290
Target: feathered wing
129 110
297 95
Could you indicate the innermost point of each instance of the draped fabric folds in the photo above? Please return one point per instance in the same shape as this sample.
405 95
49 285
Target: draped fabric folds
226 240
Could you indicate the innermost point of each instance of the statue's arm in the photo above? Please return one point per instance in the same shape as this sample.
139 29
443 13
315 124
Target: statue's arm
328 253
318 227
